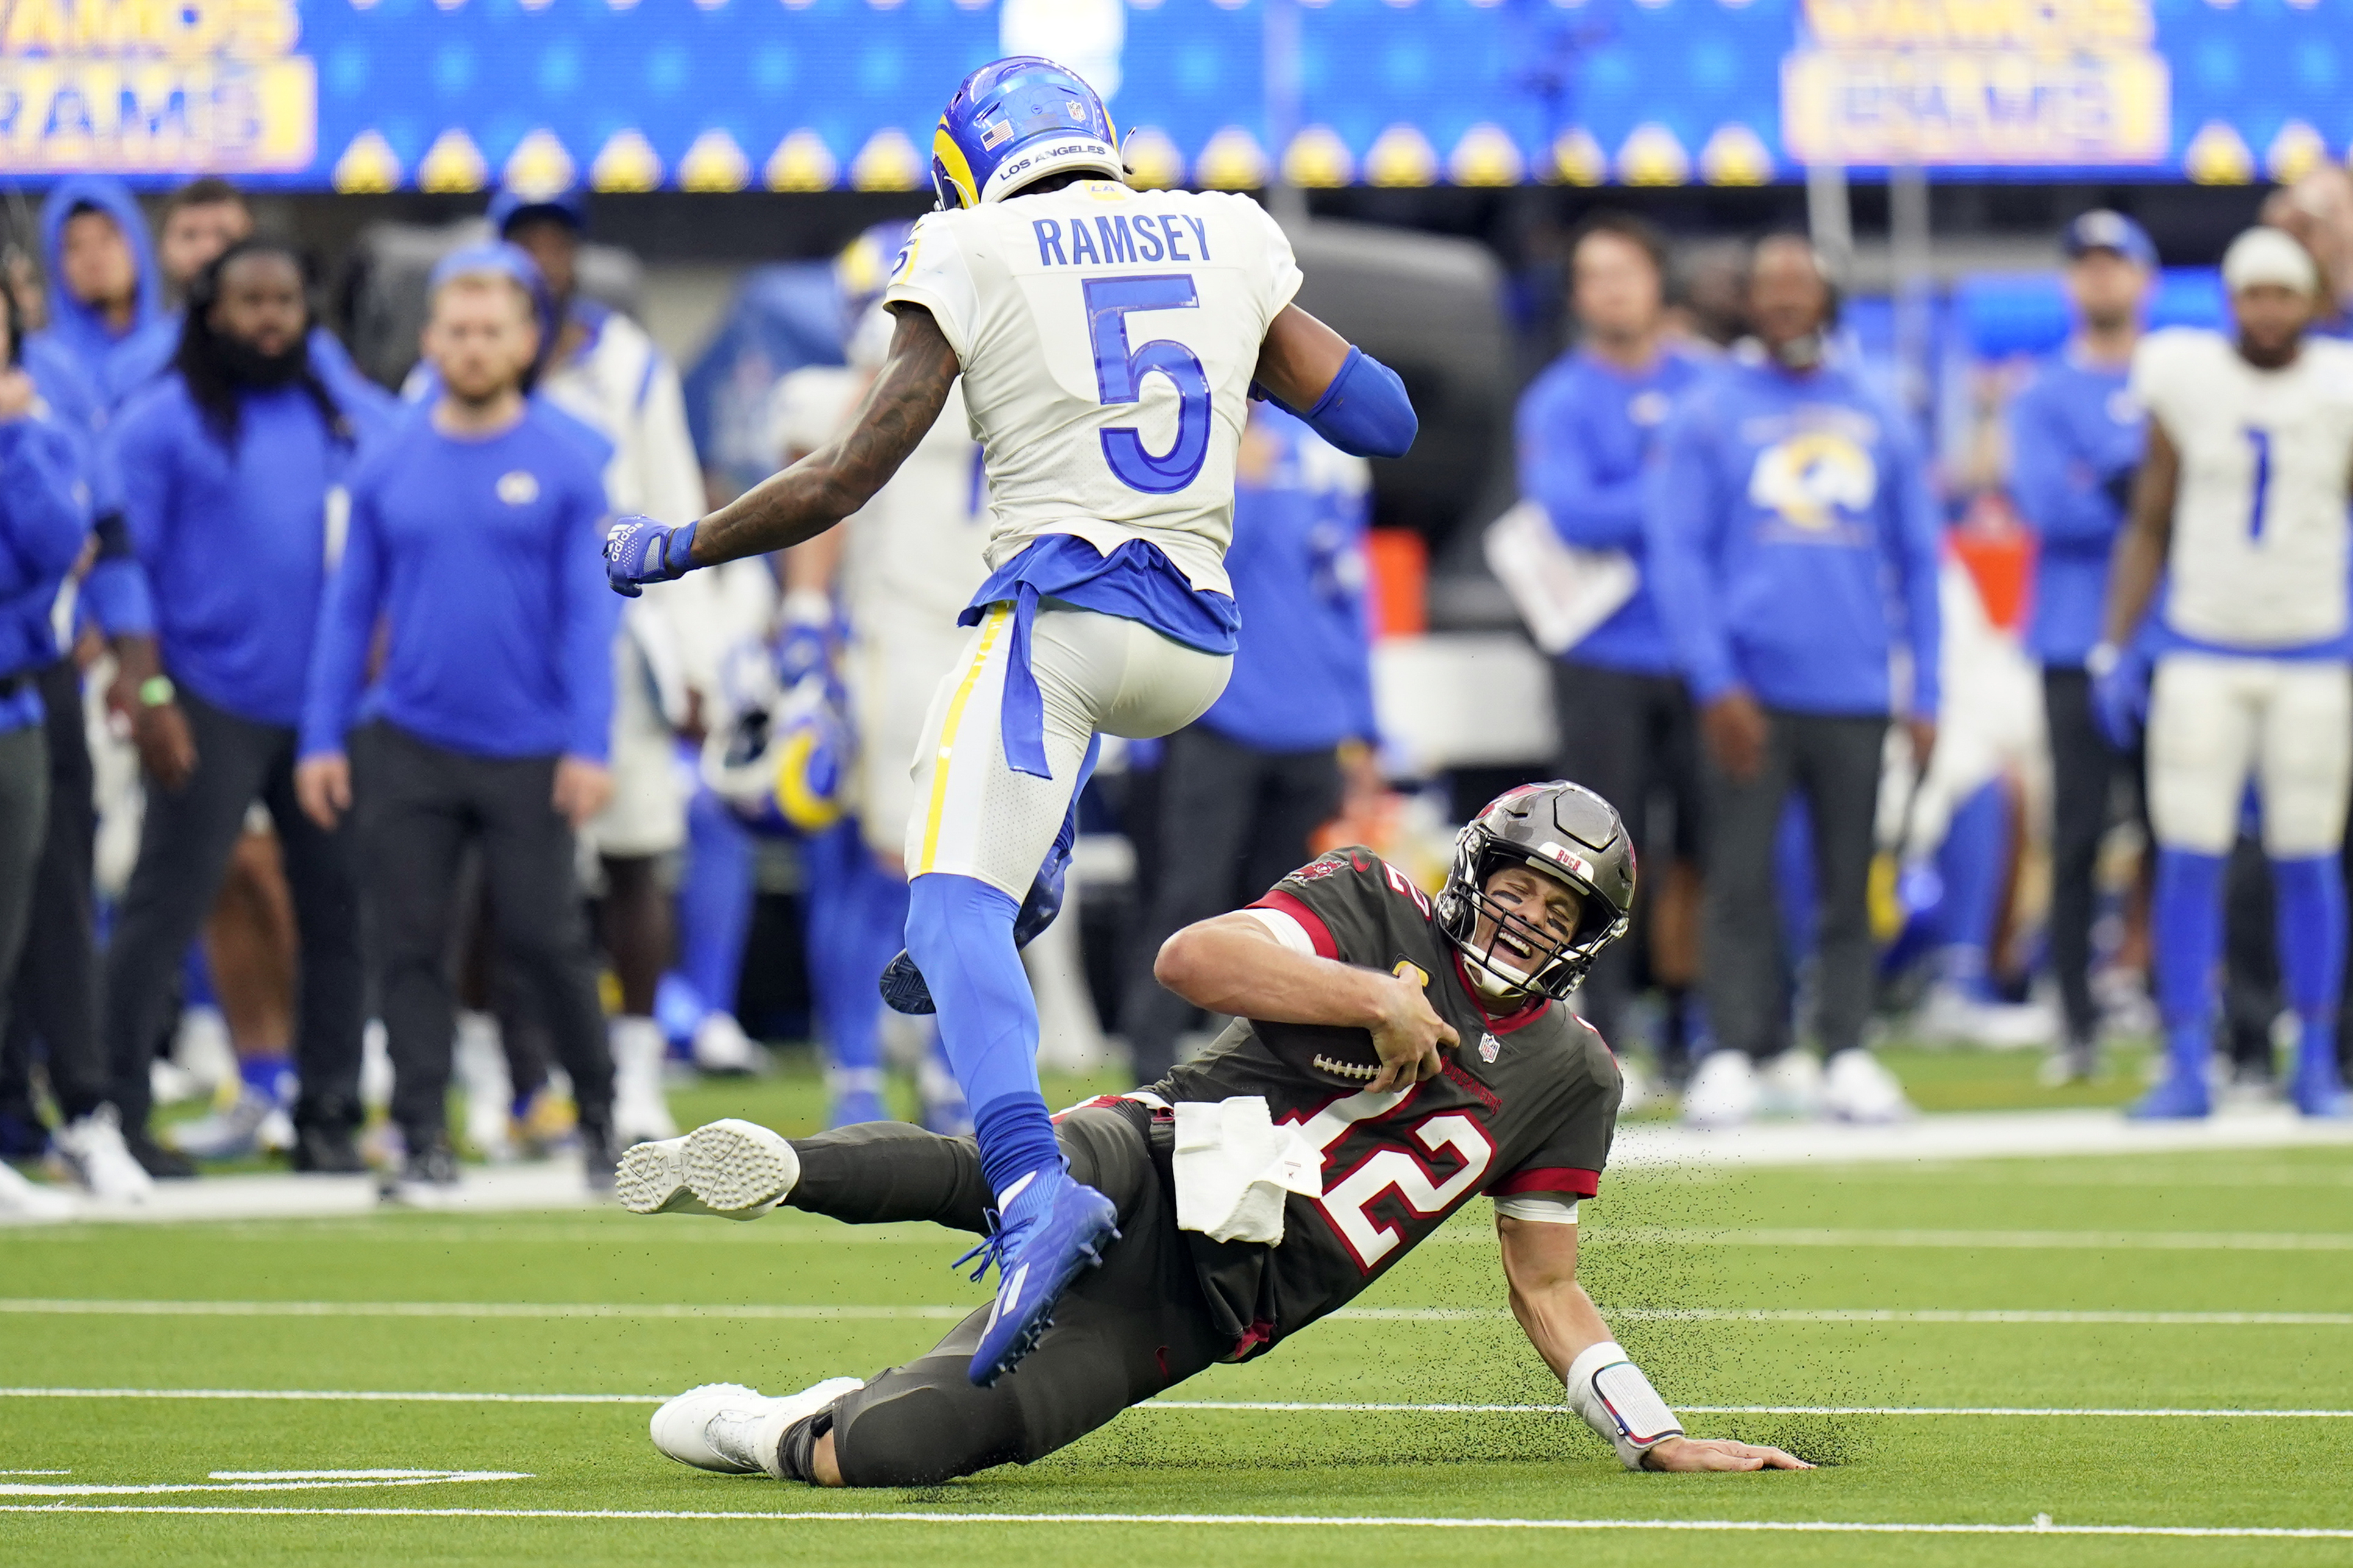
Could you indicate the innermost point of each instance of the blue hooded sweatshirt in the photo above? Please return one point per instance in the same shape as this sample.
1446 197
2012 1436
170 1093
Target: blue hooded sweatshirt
1586 428
232 540
1792 538
113 594
1303 677
75 327
44 518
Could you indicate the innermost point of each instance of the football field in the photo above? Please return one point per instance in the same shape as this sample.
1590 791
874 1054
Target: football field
2144 1358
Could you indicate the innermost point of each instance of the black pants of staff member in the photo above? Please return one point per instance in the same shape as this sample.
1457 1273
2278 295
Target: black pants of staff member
54 997
1834 762
1233 821
184 846
419 805
24 817
1127 1331
1632 740
2084 774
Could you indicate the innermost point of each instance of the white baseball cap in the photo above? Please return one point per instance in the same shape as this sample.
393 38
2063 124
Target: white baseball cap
2272 255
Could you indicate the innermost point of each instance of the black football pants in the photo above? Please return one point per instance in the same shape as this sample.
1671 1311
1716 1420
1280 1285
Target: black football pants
2085 772
419 805
1833 761
1123 1334
55 997
185 845
1631 739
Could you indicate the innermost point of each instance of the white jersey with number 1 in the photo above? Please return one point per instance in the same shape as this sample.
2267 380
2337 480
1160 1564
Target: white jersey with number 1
1108 337
2261 539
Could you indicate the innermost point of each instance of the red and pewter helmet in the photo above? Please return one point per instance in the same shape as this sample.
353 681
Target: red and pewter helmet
1564 831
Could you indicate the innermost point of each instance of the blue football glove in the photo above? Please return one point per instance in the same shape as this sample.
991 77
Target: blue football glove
640 550
2120 694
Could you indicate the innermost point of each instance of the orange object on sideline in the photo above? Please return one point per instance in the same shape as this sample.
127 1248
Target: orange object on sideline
1399 563
1999 556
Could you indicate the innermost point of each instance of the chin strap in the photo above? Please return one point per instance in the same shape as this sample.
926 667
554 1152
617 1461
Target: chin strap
1618 1402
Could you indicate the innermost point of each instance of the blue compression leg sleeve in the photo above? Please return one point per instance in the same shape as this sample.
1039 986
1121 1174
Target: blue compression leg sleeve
714 901
960 933
842 963
2187 928
2311 898
1972 861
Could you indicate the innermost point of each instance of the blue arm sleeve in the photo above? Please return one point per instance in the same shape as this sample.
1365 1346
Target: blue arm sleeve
44 508
1556 473
347 622
591 617
2057 493
1365 412
1919 559
1681 515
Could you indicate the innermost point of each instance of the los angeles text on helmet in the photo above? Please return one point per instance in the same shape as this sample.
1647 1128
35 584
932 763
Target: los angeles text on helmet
1041 158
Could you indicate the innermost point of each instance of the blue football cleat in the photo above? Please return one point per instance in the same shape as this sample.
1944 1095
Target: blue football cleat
903 988
2318 1091
1051 1232
2182 1097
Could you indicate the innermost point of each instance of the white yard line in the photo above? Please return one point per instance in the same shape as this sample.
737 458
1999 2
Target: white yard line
775 1312
2031 1240
1274 1405
2041 1526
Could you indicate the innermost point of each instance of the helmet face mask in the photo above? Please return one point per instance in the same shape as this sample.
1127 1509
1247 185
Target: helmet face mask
1011 123
1557 830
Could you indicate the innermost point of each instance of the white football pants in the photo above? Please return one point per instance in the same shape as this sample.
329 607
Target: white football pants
2215 718
975 815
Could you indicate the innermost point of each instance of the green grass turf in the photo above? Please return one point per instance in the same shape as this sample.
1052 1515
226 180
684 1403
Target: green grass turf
1654 1240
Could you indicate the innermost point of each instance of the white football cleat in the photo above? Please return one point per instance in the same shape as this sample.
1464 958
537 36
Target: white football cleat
652 1179
721 1046
21 1199
736 1430
739 1169
640 1112
1857 1088
1790 1084
90 1153
1723 1093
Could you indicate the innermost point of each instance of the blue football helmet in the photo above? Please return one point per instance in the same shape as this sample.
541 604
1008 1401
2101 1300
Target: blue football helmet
1013 121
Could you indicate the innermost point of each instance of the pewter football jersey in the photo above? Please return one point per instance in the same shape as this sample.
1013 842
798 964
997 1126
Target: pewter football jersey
1108 337
2260 537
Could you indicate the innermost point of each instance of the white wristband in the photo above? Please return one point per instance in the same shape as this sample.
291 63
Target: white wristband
1618 1402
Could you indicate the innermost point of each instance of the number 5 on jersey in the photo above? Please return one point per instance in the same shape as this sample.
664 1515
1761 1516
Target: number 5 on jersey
1120 371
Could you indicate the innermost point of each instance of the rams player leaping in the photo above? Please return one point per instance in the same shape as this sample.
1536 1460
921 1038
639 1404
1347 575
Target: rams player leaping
1108 339
1265 1184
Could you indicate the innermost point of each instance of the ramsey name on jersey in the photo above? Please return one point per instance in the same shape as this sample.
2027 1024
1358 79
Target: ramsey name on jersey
1526 1104
1108 337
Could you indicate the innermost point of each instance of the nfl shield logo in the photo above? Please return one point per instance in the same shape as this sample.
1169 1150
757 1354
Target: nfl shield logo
1489 1047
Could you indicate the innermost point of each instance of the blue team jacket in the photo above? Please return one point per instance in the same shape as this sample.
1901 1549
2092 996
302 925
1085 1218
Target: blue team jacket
1585 430
1793 538
2074 433
44 519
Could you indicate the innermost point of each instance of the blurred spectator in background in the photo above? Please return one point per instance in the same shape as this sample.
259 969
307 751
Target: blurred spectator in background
1587 427
2075 439
475 537
605 371
2317 209
44 529
233 465
1243 787
1788 501
104 289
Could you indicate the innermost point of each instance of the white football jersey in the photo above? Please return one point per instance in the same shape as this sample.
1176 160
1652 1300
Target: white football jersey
1108 337
2260 550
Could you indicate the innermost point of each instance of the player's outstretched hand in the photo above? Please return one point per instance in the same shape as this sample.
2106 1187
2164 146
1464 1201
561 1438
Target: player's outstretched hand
1409 1037
640 550
1719 1454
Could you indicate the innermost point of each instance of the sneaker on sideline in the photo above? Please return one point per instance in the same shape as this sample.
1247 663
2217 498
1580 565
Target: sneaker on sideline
1790 1084
1857 1086
23 1199
92 1153
1723 1093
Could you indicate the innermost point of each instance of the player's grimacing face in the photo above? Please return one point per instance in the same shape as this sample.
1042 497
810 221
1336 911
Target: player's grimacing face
1528 917
2272 316
481 337
2107 288
1616 290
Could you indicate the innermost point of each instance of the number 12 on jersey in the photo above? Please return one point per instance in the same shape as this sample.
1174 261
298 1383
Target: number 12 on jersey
1120 371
